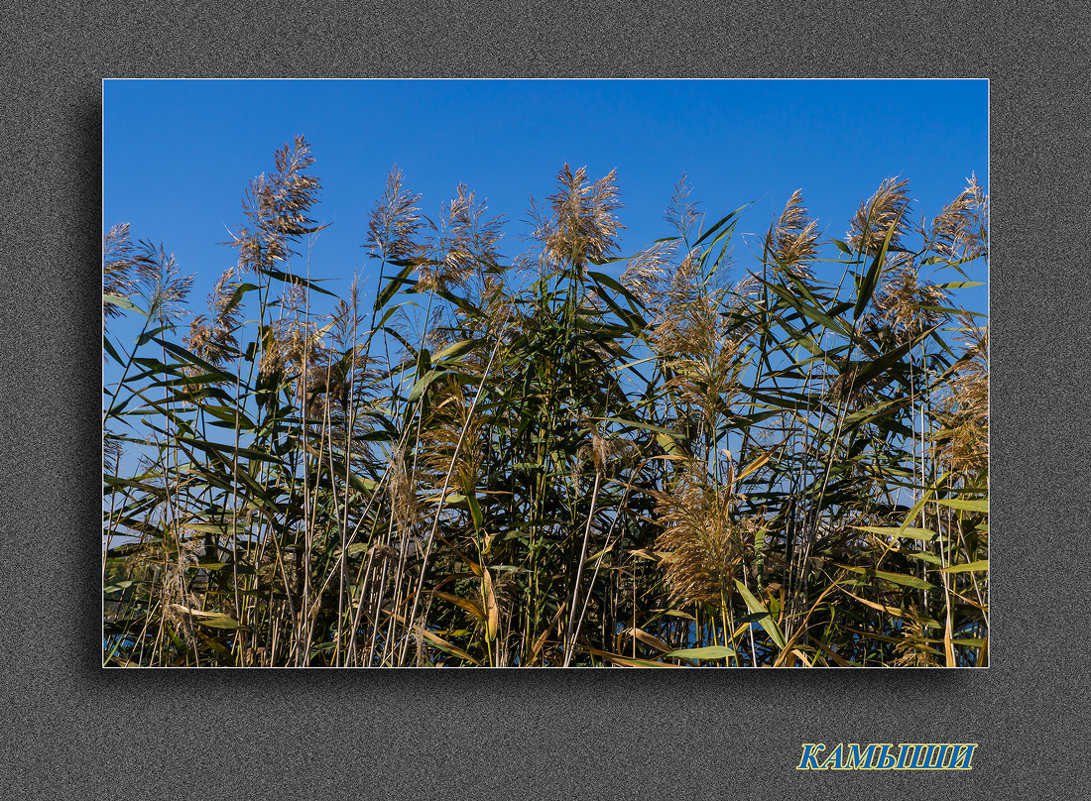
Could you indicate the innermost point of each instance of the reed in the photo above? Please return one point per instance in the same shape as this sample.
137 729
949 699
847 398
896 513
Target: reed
561 457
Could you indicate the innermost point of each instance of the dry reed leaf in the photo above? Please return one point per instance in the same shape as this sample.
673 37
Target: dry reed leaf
472 607
543 638
492 610
647 639
627 661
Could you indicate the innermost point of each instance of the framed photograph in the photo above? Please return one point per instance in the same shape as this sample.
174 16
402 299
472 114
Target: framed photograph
545 374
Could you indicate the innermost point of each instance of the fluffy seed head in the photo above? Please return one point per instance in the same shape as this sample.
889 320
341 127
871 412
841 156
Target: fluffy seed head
792 237
394 222
964 441
161 284
682 214
962 229
464 243
887 208
646 272
906 306
213 338
706 548
117 264
583 226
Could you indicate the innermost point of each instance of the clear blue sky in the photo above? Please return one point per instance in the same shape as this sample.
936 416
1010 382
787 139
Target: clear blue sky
177 155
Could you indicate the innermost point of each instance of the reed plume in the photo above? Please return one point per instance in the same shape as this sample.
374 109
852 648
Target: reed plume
212 338
583 226
906 306
792 238
463 244
706 549
160 284
394 222
964 439
887 208
117 268
961 229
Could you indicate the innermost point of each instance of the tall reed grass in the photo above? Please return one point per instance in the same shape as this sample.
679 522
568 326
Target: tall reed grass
569 457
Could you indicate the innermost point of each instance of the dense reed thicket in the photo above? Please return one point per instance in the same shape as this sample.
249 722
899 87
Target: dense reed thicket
564 458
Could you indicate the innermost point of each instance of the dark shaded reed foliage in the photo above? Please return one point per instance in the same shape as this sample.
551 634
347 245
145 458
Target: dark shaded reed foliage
569 457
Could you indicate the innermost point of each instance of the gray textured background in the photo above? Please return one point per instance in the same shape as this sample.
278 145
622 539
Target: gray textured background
73 730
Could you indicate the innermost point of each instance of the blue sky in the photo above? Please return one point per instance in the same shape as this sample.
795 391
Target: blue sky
177 155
